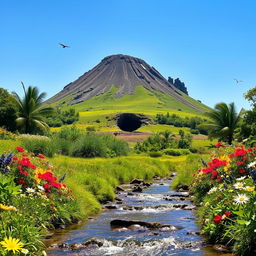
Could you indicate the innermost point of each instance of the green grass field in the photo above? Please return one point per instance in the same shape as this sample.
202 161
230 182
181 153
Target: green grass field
101 109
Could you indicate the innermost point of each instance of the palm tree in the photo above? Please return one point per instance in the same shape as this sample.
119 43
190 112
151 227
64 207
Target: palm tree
223 121
31 111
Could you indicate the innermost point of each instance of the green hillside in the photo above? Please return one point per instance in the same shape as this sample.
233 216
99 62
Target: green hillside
99 110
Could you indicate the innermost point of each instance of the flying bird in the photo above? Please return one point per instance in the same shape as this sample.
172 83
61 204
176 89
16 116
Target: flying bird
64 46
238 81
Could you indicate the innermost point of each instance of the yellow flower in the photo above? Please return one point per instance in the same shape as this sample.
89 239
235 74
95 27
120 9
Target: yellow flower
7 208
249 189
12 244
44 253
228 161
36 172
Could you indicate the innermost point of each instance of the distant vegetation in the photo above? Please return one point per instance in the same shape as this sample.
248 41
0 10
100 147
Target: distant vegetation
166 143
61 118
74 142
176 120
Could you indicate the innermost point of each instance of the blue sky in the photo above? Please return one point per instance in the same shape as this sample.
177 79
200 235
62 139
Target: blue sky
205 43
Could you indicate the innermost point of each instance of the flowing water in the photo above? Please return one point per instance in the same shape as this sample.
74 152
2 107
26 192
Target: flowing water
149 206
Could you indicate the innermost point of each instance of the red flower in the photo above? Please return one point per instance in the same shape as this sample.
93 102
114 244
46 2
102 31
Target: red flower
240 151
227 214
41 156
21 181
46 186
214 174
207 170
15 158
217 219
242 171
219 144
216 163
20 149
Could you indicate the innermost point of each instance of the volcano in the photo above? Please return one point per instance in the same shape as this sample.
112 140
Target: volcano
125 73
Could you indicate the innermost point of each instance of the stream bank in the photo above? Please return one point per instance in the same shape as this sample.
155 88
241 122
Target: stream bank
145 219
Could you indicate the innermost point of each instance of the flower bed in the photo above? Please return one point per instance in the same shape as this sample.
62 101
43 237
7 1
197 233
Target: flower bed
225 192
32 200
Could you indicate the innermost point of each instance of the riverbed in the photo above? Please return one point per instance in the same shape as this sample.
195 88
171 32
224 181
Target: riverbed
158 203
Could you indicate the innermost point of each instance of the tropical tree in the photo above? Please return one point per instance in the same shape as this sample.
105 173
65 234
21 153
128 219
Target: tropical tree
31 111
223 121
8 110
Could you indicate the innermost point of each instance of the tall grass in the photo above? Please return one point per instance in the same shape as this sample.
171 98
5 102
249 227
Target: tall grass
186 169
94 180
38 144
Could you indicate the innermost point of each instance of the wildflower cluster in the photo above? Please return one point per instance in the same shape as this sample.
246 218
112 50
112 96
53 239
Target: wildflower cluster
31 199
225 191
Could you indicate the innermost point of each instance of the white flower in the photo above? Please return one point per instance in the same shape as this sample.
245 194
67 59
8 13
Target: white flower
30 190
24 251
241 178
241 199
252 164
239 185
212 190
40 188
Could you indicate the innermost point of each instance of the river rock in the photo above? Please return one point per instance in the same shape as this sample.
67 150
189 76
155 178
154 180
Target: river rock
137 189
182 188
118 199
130 194
221 248
119 189
128 223
110 207
146 184
189 208
194 233
136 181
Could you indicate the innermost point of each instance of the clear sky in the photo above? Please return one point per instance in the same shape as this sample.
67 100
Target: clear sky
206 43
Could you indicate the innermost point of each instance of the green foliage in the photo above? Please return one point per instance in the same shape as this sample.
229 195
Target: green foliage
89 146
31 111
8 110
186 169
8 189
60 118
39 144
93 145
178 121
155 154
176 152
224 121
225 191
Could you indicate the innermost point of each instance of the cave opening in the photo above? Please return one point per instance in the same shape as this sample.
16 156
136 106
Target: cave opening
129 122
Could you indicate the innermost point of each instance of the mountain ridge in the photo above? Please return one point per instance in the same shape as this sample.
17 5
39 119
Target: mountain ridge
123 71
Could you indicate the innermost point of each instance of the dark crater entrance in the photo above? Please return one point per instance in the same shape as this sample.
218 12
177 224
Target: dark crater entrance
130 122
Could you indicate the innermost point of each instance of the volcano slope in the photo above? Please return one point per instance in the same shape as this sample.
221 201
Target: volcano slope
123 84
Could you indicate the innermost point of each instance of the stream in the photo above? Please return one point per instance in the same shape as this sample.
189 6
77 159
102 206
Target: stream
157 203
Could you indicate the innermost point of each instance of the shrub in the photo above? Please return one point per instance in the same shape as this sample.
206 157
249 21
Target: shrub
89 146
32 200
115 146
38 144
155 154
6 135
176 151
225 191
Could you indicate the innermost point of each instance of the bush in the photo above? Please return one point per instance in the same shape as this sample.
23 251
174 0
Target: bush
176 151
6 135
225 191
89 146
155 154
38 144
31 200
115 146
